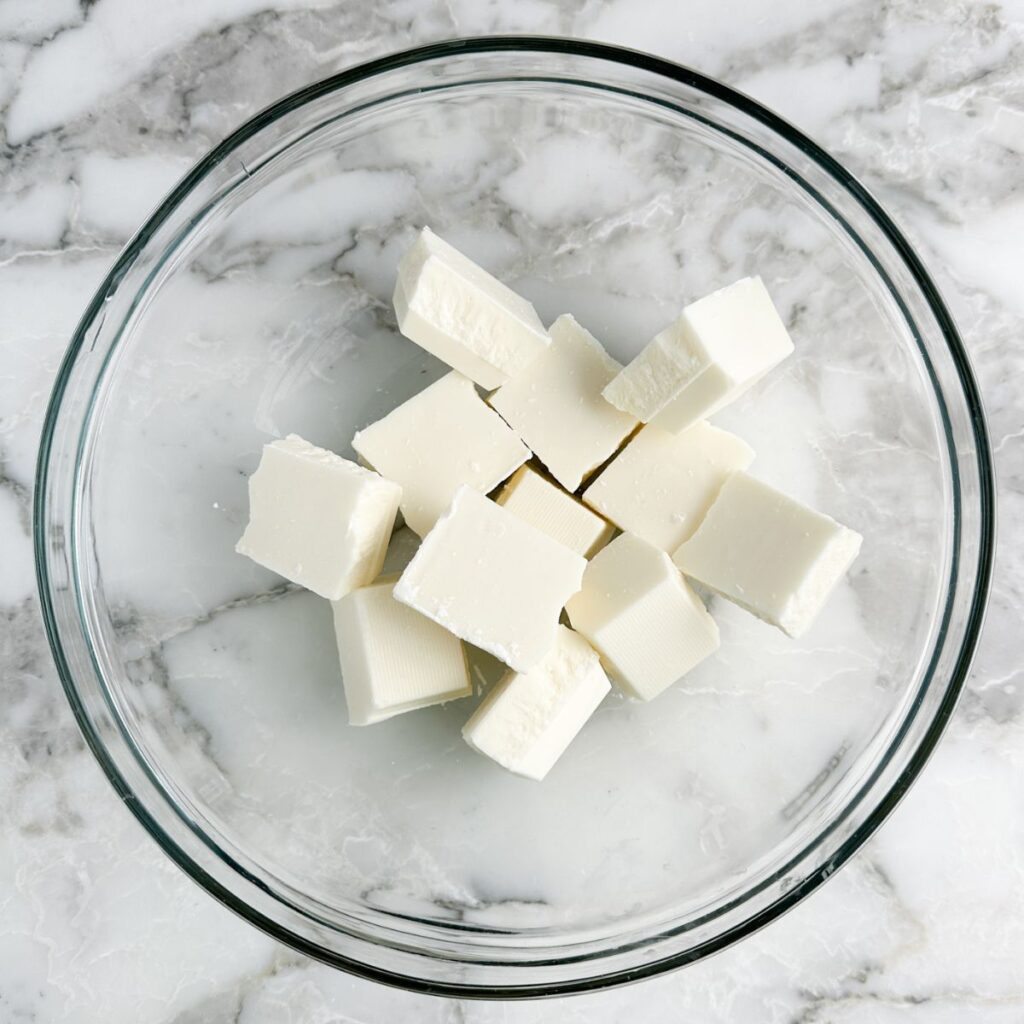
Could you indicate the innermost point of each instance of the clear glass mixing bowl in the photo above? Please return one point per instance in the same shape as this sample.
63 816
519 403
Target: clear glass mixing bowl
256 302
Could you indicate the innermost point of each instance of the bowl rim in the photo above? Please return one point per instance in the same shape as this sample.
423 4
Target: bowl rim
640 60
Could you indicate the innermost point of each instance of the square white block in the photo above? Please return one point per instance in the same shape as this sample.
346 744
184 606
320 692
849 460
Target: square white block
435 442
719 346
392 658
660 485
529 718
555 405
492 579
642 617
545 505
768 553
461 314
317 519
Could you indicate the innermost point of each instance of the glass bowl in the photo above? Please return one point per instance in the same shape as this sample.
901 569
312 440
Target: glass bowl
256 302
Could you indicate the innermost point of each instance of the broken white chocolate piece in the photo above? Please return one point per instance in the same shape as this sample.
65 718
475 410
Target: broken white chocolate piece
317 519
461 314
392 658
492 579
719 346
642 617
529 718
769 553
555 405
436 441
545 505
661 485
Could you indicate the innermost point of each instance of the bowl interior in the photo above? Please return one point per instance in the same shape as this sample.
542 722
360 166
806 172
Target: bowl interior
268 311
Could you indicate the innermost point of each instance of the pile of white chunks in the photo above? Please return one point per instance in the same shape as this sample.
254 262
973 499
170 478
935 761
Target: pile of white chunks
578 448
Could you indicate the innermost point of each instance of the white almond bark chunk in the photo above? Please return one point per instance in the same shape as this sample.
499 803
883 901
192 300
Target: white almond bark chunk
317 519
392 658
719 347
492 579
435 442
768 553
529 718
464 316
661 485
642 617
555 405
545 505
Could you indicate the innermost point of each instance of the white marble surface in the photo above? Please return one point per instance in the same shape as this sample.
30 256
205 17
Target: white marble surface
105 103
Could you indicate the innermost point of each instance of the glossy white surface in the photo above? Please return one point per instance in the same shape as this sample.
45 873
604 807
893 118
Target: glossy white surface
651 629
661 485
107 103
463 315
394 660
493 579
434 442
317 519
542 503
528 719
769 554
718 348
555 405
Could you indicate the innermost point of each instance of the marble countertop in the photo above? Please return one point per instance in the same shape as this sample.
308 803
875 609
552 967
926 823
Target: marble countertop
105 103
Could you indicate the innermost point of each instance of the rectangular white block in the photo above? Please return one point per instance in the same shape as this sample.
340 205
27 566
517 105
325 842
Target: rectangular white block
642 617
528 719
768 553
317 519
392 658
719 346
461 314
660 485
435 442
492 579
545 505
555 405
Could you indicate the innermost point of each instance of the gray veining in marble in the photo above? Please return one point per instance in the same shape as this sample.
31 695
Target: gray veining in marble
104 104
